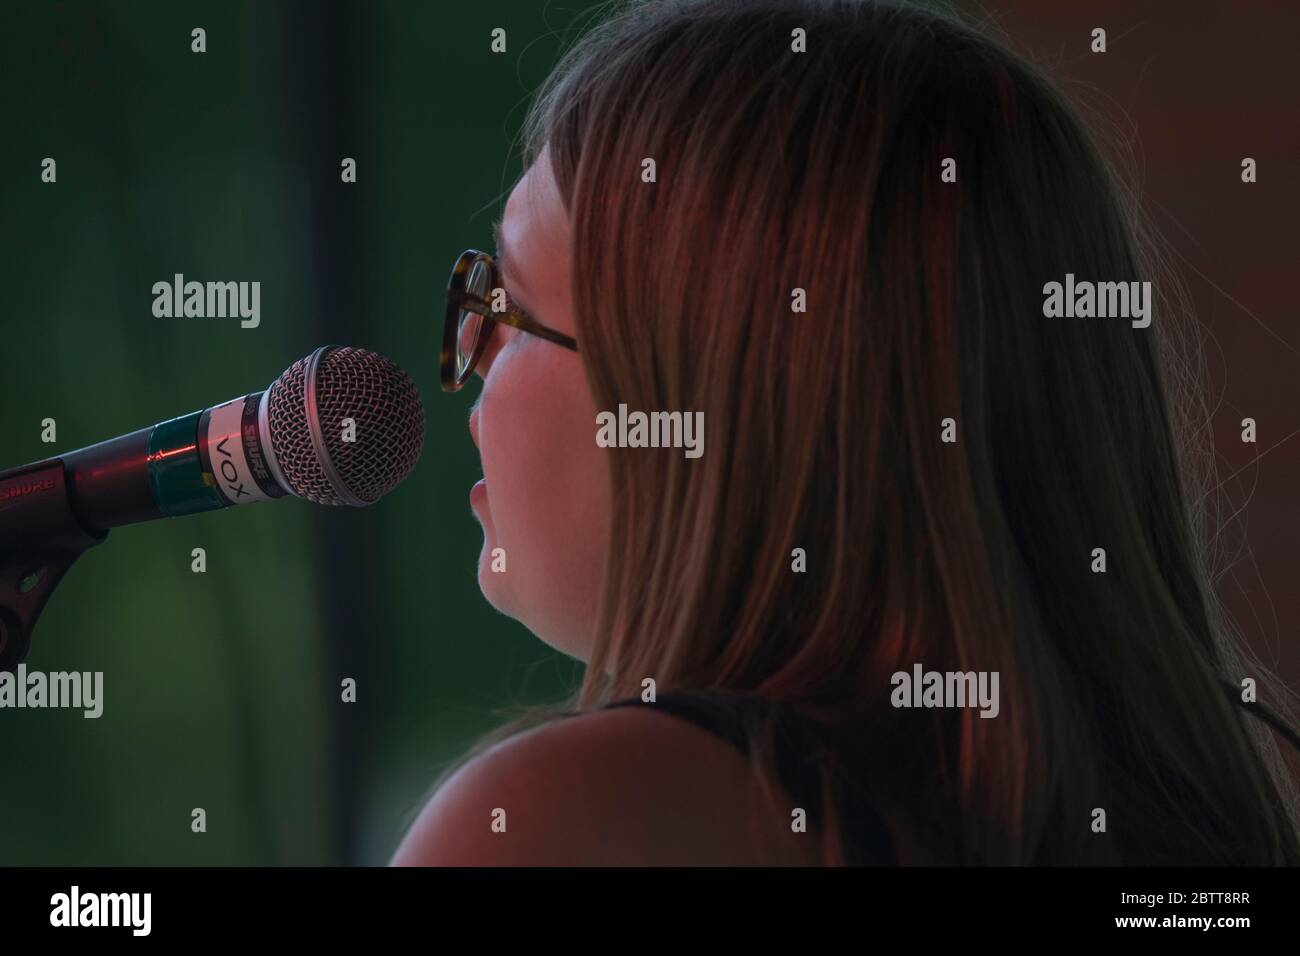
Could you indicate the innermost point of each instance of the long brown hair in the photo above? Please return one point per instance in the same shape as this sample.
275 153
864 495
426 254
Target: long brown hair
820 171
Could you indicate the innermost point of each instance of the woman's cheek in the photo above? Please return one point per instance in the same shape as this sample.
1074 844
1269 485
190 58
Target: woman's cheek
547 493
523 457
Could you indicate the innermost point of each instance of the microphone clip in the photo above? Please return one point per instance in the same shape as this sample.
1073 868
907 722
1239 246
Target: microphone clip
39 541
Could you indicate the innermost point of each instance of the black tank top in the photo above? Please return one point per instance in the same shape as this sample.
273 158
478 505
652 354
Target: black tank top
799 745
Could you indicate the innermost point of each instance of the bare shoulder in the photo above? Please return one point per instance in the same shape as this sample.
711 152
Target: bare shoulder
625 786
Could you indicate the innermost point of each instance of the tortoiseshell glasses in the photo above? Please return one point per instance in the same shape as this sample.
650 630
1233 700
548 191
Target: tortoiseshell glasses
474 288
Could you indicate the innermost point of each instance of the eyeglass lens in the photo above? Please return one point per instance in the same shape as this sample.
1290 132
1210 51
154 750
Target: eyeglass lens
470 323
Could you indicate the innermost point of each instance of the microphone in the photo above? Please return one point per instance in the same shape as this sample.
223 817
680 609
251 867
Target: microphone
342 426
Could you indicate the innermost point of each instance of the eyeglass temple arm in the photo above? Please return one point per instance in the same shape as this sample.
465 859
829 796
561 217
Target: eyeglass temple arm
514 319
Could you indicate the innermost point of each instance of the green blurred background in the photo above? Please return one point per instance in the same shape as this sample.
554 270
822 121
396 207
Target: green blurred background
222 690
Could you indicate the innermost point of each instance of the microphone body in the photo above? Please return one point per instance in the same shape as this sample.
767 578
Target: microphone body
212 458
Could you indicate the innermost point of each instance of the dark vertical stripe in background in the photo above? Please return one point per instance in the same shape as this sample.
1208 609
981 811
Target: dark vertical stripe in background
325 46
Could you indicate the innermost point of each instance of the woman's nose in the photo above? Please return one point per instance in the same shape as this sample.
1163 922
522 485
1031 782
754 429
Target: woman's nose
485 358
494 332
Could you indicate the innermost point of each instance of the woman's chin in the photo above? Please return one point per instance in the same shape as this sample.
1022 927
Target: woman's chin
492 560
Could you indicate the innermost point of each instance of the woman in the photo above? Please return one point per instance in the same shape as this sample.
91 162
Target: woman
829 228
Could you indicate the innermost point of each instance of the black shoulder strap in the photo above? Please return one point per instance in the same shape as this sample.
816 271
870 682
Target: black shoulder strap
799 747
727 716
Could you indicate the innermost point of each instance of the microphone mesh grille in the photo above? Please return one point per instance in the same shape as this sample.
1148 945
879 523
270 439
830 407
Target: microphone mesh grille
350 383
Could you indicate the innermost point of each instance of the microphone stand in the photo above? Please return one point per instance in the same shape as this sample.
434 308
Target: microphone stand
40 537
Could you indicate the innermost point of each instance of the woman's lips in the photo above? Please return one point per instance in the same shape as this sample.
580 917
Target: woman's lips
478 493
